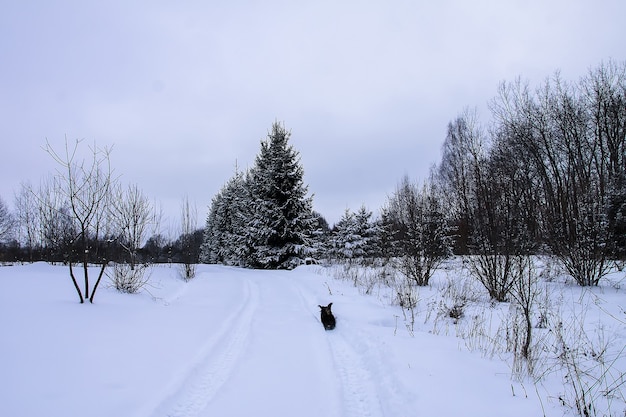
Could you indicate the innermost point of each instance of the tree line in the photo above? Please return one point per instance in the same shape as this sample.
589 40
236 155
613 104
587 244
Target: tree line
83 216
545 175
548 175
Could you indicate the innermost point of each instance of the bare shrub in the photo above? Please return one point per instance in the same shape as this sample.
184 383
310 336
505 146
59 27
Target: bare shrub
524 293
129 279
132 215
498 273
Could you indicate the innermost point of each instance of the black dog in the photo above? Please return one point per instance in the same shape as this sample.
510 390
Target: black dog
328 320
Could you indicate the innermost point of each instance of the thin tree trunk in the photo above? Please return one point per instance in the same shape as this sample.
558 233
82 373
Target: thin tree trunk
95 287
85 265
80 295
528 338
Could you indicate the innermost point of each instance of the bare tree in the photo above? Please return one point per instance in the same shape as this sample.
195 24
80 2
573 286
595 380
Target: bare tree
189 220
501 221
524 294
558 136
27 214
415 218
6 221
490 200
85 184
132 214
604 95
463 147
55 228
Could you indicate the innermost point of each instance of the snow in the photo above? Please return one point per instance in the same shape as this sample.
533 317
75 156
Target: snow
237 342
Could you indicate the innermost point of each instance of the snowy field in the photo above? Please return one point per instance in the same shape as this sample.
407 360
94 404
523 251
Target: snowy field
235 342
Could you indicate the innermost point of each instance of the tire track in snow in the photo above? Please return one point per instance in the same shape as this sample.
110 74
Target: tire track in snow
215 362
373 358
359 388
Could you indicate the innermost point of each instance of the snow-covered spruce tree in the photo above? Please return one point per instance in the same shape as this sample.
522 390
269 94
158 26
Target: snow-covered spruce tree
224 240
210 249
280 219
369 230
321 237
354 236
344 240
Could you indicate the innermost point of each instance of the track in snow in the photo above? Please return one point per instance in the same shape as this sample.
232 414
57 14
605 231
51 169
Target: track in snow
353 378
215 362
359 387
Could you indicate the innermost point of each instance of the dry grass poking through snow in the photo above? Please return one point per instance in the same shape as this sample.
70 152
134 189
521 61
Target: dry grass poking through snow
564 342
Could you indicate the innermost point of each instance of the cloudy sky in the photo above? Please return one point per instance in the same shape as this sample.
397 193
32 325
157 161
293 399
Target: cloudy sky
186 90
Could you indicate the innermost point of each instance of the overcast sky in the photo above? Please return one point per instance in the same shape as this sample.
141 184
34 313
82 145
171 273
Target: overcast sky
184 90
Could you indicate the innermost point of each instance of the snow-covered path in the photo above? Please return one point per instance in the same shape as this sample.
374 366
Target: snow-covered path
230 342
272 355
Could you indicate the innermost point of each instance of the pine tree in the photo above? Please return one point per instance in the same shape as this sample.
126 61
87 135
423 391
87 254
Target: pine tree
280 219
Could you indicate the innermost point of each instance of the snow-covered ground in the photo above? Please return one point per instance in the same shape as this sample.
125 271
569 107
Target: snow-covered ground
236 342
